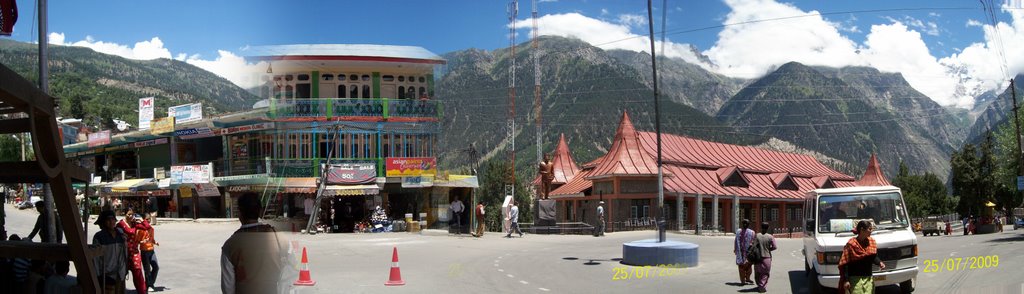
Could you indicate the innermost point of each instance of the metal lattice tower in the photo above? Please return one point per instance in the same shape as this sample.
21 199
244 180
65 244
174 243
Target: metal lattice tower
536 84
513 11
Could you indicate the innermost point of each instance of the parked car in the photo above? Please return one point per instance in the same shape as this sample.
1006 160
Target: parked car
933 226
1019 223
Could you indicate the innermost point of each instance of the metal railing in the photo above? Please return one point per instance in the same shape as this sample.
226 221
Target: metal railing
354 107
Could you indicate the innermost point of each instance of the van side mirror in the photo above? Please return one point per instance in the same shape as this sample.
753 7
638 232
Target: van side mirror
809 227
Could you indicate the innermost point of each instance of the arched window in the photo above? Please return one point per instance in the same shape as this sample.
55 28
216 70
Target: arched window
289 92
401 92
353 77
366 78
353 91
341 91
366 91
423 91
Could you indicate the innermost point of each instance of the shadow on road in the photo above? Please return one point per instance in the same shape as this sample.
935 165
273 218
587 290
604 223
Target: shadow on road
799 284
593 261
1013 238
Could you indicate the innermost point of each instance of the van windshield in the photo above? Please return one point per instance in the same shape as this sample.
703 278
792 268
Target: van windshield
840 213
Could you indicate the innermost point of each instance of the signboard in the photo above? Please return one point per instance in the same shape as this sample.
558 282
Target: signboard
247 128
207 190
410 166
293 168
417 182
352 173
162 125
99 138
191 174
240 189
145 112
148 143
1020 183
186 113
185 191
159 173
194 133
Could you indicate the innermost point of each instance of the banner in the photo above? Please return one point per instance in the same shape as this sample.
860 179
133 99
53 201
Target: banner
352 173
162 125
150 142
207 190
195 133
410 166
99 138
417 182
247 128
145 112
186 113
190 174
185 192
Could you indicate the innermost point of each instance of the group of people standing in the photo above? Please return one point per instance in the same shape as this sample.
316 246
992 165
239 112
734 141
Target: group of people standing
128 245
859 255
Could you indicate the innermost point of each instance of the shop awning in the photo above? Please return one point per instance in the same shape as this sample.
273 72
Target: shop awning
458 181
351 190
130 185
253 179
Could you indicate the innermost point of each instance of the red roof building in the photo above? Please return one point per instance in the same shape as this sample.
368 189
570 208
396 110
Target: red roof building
729 182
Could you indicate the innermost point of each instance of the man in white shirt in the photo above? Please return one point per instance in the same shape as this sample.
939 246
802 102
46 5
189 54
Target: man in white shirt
457 209
600 219
513 217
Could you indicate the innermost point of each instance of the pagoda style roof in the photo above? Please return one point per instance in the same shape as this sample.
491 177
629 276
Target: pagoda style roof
627 156
873 175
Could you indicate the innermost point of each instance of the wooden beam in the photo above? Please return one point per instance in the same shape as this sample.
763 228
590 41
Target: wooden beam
14 126
18 91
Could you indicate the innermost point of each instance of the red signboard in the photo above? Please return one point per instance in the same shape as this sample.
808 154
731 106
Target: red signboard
99 138
410 166
352 173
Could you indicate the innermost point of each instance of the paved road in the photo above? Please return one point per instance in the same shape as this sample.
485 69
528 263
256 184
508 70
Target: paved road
360 263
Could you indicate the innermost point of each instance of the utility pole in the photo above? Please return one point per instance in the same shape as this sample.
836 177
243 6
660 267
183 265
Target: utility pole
1016 123
45 87
510 133
657 125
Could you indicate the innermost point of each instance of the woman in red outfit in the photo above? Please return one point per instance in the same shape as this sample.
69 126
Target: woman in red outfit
134 238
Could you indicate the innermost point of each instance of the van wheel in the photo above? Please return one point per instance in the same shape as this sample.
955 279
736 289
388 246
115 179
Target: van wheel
813 285
907 286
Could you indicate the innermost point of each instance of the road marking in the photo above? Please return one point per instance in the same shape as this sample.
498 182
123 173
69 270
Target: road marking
496 261
499 257
511 276
501 270
544 289
523 282
495 265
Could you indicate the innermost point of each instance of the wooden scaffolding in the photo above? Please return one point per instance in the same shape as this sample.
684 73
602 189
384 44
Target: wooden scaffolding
38 117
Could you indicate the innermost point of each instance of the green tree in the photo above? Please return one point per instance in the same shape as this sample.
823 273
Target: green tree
924 194
495 173
1007 164
964 180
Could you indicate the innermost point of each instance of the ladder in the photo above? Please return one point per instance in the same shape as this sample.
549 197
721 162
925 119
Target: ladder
26 109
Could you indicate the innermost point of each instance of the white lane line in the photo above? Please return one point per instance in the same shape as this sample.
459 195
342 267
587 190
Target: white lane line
496 261
523 282
501 270
511 276
544 289
499 257
495 265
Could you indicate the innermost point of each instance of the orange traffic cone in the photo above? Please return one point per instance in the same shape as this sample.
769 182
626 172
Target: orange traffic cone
304 279
396 274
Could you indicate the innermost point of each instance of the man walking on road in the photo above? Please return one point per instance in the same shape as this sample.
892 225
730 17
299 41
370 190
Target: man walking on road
112 266
250 260
480 219
513 217
599 230
151 208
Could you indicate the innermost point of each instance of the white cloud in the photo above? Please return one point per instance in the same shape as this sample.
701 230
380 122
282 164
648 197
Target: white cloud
605 34
928 27
232 67
934 14
973 23
632 20
227 65
752 49
604 11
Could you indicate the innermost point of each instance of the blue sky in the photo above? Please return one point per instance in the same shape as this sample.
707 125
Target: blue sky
921 39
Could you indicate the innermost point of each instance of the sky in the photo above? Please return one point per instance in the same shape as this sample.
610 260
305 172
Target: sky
946 49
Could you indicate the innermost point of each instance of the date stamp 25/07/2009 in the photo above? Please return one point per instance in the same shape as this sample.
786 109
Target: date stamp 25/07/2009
621 273
961 263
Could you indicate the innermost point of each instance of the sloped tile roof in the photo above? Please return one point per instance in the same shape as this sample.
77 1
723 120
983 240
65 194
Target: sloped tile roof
565 167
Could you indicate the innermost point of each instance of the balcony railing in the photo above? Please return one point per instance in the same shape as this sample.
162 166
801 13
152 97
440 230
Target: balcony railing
291 168
354 107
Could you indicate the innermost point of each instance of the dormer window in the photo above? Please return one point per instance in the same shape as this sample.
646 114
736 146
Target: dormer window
783 181
731 177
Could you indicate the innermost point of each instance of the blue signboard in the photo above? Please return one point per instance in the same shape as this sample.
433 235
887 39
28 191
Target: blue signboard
1020 183
186 113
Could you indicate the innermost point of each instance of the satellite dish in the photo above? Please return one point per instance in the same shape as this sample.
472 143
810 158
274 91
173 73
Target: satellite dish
121 125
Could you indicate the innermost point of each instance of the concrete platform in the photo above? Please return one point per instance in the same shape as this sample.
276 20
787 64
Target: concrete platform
650 252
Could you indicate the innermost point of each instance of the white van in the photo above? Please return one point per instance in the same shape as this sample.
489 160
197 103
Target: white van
830 216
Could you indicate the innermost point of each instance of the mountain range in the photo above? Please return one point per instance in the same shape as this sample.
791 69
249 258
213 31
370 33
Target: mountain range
839 115
99 87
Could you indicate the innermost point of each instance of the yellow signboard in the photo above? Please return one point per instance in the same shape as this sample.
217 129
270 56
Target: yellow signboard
162 125
185 191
